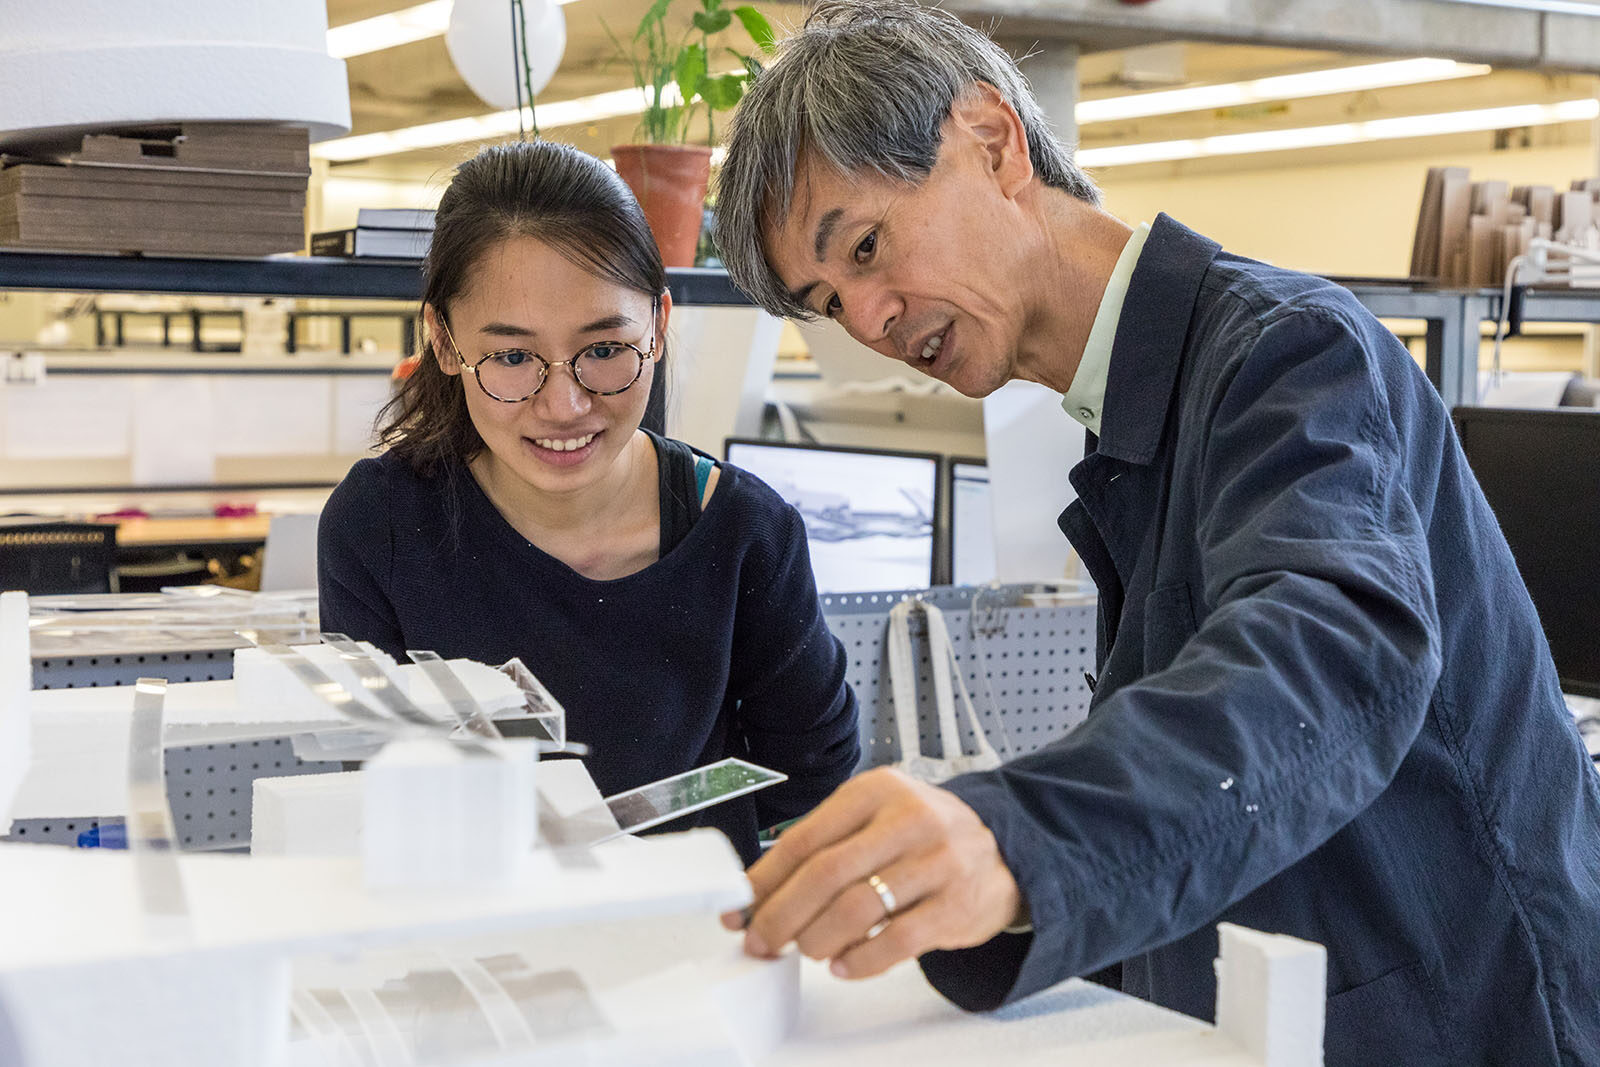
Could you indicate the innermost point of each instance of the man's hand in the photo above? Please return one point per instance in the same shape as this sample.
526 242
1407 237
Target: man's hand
936 858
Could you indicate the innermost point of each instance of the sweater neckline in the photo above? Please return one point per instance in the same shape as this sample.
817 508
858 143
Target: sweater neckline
488 517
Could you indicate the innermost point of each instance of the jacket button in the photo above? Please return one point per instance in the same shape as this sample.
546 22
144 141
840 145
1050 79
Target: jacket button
1087 413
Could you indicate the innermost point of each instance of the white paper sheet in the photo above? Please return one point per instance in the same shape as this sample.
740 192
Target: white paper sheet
70 416
356 401
172 420
272 415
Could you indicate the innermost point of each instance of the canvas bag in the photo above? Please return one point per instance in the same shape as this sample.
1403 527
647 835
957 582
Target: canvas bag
903 682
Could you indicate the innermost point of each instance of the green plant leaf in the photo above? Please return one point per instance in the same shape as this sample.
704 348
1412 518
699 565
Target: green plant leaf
691 71
757 26
657 12
723 92
710 22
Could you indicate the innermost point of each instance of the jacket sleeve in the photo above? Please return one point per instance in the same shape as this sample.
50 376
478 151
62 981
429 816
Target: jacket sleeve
796 712
1281 717
355 551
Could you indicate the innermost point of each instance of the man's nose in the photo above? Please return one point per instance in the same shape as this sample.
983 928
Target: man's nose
870 313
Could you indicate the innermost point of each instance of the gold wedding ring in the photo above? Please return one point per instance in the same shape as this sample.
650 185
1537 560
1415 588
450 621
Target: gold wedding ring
885 895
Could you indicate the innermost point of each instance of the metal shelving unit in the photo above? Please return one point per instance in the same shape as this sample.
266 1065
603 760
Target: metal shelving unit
1453 316
302 276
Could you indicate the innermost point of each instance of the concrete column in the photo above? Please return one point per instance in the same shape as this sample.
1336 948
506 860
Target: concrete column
1052 71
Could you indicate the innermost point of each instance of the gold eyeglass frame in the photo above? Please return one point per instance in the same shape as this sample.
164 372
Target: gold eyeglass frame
645 356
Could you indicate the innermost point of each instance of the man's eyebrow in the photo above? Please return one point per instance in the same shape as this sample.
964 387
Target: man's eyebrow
825 227
802 295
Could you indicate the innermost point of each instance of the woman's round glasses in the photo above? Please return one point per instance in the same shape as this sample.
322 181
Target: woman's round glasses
604 368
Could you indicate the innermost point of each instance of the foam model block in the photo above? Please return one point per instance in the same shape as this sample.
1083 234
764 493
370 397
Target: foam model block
1270 996
306 815
437 815
16 681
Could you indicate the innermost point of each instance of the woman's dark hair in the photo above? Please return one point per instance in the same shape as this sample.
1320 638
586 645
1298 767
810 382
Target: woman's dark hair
566 198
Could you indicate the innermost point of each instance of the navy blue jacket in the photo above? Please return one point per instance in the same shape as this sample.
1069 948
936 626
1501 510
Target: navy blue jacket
1325 705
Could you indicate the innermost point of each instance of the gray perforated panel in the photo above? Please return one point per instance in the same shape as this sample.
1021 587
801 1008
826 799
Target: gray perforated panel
1023 667
83 672
208 787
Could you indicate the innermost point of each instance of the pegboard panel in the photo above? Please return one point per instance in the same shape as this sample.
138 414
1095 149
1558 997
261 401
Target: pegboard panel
208 789
87 671
54 831
1024 669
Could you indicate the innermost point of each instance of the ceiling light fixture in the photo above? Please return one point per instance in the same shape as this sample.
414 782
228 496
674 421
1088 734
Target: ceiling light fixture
1282 87
621 102
1343 133
392 30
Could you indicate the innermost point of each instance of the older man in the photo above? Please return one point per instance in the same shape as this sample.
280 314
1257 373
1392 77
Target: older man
1325 706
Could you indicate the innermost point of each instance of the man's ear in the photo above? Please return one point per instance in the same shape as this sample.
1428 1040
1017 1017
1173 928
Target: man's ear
438 344
986 117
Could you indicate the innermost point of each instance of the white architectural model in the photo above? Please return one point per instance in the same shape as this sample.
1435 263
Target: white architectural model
405 915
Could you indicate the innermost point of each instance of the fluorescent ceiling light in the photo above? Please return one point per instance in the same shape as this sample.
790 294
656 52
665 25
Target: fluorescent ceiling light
1283 87
492 126
1494 118
392 30
631 101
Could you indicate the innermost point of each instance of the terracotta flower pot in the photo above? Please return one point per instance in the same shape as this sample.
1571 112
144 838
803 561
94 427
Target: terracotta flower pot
670 182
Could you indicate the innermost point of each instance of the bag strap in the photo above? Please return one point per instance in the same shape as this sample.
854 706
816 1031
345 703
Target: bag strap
945 666
903 681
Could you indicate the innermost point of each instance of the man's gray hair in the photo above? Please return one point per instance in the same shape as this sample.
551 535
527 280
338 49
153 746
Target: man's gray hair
865 86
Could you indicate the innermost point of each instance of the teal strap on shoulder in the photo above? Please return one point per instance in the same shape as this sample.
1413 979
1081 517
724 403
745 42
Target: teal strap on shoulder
703 466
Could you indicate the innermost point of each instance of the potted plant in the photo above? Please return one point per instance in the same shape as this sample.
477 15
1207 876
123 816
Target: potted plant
667 174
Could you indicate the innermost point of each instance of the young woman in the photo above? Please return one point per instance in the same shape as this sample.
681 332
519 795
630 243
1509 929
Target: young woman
521 510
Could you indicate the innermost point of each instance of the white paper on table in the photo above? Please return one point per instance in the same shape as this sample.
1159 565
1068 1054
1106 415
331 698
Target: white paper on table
356 401
279 415
77 416
172 420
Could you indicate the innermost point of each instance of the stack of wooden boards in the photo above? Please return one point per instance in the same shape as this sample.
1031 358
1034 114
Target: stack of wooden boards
232 189
1469 232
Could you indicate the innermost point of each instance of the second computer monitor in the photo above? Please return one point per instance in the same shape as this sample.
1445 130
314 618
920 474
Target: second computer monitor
972 554
869 513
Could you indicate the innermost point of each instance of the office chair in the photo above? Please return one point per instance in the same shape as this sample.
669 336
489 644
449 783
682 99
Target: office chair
48 558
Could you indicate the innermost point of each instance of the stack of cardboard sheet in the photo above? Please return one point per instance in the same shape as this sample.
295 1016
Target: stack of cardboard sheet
199 188
1469 232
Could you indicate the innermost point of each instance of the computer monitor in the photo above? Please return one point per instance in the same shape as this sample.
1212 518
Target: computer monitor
869 513
1540 470
972 557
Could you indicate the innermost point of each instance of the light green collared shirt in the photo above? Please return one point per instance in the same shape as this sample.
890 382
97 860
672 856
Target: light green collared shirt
1085 399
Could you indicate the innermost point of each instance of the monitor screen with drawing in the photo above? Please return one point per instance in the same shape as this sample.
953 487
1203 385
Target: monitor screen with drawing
869 513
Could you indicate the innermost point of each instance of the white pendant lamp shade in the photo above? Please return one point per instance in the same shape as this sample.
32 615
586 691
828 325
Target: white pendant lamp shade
73 66
479 41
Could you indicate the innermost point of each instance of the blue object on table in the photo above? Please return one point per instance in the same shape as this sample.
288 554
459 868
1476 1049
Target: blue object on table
111 835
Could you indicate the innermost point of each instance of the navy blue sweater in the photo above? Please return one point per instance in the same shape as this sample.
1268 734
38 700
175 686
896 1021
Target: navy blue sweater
717 649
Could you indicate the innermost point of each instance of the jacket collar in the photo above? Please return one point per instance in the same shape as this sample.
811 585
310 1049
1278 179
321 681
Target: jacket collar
1148 349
